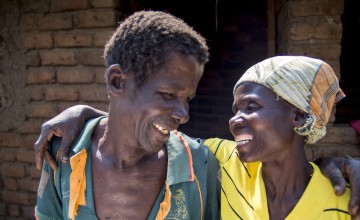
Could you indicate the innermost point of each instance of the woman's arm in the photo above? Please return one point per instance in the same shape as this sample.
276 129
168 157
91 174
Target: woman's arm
68 124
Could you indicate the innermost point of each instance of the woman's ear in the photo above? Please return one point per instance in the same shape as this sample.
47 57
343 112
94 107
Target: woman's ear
300 117
115 79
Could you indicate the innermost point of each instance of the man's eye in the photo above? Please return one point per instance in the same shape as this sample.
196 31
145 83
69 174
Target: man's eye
167 95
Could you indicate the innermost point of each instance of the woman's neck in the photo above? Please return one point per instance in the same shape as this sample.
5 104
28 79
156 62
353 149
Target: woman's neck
285 182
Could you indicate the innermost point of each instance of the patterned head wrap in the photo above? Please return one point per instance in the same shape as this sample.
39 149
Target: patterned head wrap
308 84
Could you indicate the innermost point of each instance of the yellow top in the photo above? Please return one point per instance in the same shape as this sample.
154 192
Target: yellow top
243 194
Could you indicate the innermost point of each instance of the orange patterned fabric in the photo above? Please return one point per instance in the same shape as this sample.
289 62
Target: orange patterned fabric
325 93
77 182
165 206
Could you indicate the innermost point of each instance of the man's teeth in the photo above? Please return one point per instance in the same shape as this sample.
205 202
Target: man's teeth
161 129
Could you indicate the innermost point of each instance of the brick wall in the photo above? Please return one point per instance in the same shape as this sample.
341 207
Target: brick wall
57 64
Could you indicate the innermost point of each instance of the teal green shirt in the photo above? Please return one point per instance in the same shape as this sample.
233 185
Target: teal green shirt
192 179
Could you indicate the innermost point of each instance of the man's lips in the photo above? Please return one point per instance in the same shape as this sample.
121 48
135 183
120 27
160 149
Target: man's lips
161 129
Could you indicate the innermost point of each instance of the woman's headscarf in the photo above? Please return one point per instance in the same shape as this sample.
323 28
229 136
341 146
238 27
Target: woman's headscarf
307 83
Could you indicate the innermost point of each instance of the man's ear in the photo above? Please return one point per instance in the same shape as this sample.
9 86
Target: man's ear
299 118
115 79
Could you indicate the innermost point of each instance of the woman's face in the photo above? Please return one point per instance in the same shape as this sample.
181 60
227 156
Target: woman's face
262 125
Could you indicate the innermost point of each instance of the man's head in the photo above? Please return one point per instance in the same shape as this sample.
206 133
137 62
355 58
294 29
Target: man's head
154 64
143 41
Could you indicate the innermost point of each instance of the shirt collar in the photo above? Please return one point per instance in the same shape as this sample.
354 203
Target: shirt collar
180 164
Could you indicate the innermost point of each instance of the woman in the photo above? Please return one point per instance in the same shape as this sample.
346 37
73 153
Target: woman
280 104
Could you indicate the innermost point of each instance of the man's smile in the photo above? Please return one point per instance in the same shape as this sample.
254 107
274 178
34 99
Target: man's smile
161 129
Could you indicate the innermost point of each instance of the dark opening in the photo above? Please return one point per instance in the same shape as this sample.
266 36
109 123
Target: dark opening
348 109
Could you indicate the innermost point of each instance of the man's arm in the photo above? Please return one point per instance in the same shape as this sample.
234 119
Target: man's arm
339 170
68 124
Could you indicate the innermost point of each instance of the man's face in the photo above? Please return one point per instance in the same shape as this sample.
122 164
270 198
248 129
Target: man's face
161 103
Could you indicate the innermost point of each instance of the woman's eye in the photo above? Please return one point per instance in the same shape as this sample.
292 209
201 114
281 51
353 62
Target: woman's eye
252 106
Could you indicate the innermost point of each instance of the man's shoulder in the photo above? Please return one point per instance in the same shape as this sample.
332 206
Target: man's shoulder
192 142
199 151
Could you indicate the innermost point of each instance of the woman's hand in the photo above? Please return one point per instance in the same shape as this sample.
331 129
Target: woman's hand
68 124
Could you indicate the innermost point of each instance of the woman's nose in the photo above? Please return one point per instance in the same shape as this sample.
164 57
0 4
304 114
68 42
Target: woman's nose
236 120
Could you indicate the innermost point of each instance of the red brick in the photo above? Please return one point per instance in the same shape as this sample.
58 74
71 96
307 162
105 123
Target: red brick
72 75
13 169
40 76
43 110
328 7
29 140
91 57
99 18
35 6
31 126
38 41
100 75
299 8
29 184
21 198
61 94
94 93
301 31
330 150
104 3
322 51
58 57
103 106
27 22
65 105
328 30
55 22
10 139
340 134
33 172
73 40
10 183
13 210
36 93
28 211
25 156
101 37
7 154
32 59
68 5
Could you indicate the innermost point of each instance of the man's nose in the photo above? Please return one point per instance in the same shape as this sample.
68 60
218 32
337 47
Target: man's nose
180 113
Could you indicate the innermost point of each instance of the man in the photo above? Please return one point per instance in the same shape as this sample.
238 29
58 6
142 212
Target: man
133 164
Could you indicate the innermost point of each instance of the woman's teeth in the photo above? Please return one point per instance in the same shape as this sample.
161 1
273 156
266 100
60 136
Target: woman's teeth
243 141
161 129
